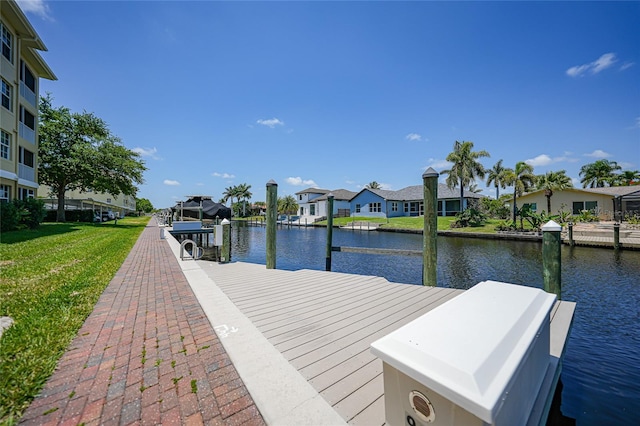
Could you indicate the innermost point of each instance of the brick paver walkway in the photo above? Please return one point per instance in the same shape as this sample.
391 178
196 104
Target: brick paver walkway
146 355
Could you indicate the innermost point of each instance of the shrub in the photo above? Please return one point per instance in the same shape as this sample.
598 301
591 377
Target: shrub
9 216
17 214
469 217
494 208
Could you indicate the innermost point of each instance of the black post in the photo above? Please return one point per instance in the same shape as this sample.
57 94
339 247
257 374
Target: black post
329 231
616 236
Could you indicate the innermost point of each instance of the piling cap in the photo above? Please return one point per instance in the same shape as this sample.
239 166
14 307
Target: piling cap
272 183
330 195
551 226
430 172
225 222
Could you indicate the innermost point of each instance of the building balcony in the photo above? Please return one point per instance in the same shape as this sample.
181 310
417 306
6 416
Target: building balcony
27 133
27 173
28 95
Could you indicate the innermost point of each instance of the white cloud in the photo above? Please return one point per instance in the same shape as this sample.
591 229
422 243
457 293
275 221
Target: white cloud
545 160
37 7
385 186
598 153
626 65
223 175
602 63
298 181
171 182
147 152
413 137
272 122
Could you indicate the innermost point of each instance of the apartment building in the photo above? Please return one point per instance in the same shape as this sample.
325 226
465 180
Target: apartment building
21 67
120 205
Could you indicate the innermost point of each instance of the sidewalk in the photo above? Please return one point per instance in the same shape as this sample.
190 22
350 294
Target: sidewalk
146 355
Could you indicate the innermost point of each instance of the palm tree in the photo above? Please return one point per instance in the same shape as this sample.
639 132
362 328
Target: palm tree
229 193
553 181
599 173
465 167
373 185
627 178
243 193
287 205
496 176
521 178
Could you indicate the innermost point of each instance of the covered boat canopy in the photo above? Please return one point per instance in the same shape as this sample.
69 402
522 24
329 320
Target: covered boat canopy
210 209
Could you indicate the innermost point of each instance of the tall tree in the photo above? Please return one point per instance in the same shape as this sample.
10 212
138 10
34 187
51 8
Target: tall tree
243 193
229 194
144 205
599 173
496 175
465 168
77 151
522 179
287 205
553 181
373 185
627 178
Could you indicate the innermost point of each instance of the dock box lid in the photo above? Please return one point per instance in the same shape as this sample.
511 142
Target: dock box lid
468 348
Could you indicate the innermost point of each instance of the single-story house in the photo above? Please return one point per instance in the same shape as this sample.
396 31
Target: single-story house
603 202
408 201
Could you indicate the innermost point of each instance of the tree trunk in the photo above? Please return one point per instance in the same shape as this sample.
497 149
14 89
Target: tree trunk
514 207
497 193
60 215
461 196
549 204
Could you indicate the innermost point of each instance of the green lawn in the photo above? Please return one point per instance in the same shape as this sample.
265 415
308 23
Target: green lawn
50 280
416 223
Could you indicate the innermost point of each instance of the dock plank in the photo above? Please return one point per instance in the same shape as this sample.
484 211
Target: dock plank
323 323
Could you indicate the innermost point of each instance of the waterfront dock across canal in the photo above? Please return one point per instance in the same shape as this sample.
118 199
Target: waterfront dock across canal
300 340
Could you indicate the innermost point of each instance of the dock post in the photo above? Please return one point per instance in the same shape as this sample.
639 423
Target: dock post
430 233
616 236
327 265
551 258
272 216
225 256
571 242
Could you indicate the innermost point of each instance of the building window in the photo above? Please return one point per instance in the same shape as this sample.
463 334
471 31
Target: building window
5 192
5 145
532 206
394 206
579 206
300 197
375 207
357 208
6 43
24 193
406 207
27 77
108 200
27 158
27 118
6 95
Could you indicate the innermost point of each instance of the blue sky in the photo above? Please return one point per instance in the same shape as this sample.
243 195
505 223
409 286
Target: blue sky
339 94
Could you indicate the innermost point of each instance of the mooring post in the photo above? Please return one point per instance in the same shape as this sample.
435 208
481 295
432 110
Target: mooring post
430 233
327 266
571 242
616 236
551 258
272 216
225 255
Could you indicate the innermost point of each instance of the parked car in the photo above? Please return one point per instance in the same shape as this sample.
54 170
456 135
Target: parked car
104 216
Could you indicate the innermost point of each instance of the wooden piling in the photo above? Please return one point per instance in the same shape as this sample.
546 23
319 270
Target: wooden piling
329 231
551 258
616 236
225 255
430 233
571 242
272 218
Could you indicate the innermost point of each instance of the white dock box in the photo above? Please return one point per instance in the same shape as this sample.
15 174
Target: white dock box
479 358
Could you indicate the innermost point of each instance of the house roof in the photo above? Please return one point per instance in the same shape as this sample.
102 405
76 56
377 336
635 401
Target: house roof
313 191
416 192
338 194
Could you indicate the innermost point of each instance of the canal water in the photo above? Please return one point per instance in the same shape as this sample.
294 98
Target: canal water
601 373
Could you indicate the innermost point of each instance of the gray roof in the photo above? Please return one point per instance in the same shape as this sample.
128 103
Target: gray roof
338 194
416 192
313 191
614 191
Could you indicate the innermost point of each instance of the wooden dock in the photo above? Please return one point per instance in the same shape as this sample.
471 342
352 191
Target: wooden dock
324 322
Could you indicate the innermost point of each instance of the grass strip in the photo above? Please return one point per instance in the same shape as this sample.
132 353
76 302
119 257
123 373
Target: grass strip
50 280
